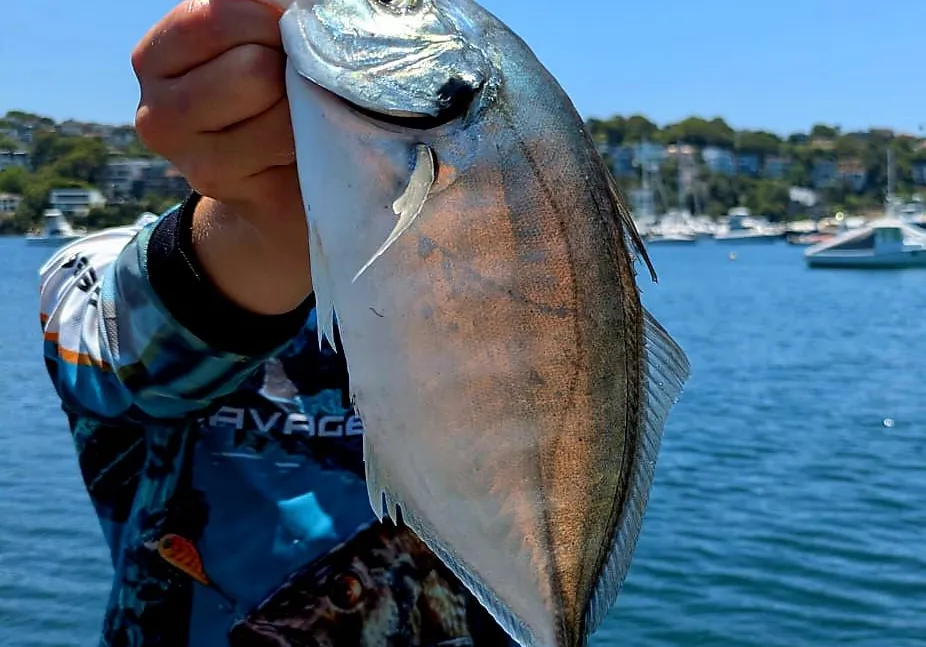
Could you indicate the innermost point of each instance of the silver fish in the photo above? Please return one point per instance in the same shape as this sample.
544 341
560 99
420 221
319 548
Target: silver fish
479 261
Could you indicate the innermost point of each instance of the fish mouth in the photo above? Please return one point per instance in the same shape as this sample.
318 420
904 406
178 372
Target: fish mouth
454 100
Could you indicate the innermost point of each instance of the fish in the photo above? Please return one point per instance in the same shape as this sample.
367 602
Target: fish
479 263
380 588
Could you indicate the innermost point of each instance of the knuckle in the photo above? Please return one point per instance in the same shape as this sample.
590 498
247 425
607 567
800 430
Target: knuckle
147 127
261 64
159 119
141 57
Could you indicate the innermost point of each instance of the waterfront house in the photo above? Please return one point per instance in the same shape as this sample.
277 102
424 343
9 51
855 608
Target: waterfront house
76 202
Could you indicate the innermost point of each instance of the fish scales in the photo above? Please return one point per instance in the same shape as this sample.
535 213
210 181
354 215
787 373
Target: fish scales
512 387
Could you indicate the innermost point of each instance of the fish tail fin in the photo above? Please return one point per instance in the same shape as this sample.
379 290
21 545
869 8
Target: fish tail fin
666 371
321 286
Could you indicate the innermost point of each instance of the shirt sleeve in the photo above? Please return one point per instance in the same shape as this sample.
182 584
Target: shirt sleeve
134 330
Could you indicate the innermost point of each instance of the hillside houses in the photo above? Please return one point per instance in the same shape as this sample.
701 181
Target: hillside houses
132 179
9 159
21 129
828 170
125 178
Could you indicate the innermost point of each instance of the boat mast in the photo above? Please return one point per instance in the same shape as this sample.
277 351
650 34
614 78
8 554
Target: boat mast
682 159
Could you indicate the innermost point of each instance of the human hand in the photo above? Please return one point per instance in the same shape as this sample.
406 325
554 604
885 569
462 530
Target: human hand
213 103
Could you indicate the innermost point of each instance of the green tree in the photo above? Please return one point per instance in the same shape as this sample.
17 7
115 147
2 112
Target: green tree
770 198
758 142
84 160
822 131
700 132
14 180
7 144
36 193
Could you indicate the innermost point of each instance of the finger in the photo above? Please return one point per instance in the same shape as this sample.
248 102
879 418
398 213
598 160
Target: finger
225 160
239 84
196 31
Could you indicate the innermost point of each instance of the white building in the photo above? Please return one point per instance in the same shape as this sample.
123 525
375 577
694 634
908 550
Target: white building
75 202
8 204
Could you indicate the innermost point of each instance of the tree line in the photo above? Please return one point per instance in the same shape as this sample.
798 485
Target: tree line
803 150
62 161
59 161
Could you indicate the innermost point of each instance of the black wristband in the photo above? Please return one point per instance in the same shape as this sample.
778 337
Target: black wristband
190 296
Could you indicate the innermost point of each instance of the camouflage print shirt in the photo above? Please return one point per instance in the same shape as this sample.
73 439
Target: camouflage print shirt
224 461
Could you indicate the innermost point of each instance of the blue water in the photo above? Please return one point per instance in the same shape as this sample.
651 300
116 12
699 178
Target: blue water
785 513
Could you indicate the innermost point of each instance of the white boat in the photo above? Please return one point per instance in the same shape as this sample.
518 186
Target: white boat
890 242
672 228
741 227
671 238
56 231
676 226
885 243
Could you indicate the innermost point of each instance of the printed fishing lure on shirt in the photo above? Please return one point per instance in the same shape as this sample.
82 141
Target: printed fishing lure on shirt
480 263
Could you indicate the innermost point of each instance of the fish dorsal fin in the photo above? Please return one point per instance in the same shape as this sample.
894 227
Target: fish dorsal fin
411 202
627 225
666 371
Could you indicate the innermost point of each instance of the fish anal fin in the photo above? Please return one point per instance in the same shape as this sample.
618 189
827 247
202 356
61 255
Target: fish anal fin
321 286
666 371
389 503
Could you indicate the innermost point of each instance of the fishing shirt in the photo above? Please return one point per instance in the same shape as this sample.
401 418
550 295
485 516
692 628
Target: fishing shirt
224 460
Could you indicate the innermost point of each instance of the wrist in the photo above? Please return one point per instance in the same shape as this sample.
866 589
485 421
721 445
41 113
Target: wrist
264 270
183 287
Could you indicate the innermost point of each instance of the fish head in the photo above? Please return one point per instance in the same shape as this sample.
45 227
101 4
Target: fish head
418 63
376 88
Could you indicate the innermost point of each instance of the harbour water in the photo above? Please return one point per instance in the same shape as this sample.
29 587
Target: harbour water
790 502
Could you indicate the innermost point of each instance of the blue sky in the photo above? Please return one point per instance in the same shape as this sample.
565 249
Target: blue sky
781 65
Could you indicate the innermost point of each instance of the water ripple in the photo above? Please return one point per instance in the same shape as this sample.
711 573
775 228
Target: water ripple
784 512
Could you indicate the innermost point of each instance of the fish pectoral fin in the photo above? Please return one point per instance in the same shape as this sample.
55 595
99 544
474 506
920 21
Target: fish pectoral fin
411 202
666 371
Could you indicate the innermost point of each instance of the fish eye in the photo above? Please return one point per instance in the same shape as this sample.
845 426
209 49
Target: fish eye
398 6
346 591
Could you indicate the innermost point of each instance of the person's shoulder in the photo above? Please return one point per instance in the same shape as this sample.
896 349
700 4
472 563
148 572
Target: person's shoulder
103 243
